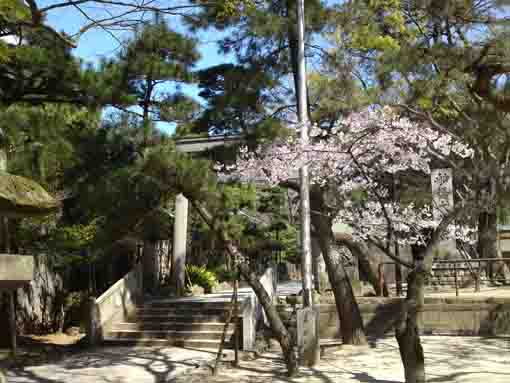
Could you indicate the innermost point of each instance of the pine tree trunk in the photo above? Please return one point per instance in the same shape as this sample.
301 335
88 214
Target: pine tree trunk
150 266
367 262
487 240
407 331
351 322
278 328
316 260
164 260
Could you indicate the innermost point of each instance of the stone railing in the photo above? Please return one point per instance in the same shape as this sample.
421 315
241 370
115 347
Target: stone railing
115 303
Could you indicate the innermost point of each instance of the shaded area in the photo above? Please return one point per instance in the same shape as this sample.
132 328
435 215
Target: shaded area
114 364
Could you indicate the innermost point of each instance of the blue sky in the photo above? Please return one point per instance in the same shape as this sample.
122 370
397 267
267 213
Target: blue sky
97 43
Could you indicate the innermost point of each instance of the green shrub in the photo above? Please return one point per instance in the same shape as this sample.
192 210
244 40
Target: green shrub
199 275
225 275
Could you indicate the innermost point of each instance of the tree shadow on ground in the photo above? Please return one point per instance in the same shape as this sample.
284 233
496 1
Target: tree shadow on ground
383 321
158 364
361 377
273 369
455 376
33 352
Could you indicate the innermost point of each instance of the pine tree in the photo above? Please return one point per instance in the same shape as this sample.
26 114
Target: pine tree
156 59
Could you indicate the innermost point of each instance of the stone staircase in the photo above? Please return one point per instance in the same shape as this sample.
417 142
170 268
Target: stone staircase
185 322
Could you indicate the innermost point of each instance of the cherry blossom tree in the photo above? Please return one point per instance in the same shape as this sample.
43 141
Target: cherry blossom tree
351 169
357 156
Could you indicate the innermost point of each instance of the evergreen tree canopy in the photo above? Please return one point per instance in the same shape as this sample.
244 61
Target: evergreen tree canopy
237 102
147 72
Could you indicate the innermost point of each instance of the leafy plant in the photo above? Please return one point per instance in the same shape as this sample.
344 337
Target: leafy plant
199 275
225 275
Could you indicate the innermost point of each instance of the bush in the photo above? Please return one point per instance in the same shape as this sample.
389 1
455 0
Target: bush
225 275
199 275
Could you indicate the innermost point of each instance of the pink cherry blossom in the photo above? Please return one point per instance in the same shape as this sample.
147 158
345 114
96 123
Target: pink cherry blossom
351 157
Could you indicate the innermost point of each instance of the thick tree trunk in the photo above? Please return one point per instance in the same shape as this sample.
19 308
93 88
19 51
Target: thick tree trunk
164 261
156 264
407 331
488 241
150 266
367 262
351 322
279 330
316 264
12 322
275 321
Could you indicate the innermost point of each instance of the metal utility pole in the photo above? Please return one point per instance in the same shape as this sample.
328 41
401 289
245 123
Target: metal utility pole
306 251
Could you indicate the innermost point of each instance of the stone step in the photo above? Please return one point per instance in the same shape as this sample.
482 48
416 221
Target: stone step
172 326
194 305
164 316
165 334
186 343
181 310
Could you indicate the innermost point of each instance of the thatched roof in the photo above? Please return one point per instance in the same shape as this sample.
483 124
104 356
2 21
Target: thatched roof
20 196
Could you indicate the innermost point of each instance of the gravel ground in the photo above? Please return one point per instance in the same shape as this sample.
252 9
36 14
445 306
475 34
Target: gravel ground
448 359
114 365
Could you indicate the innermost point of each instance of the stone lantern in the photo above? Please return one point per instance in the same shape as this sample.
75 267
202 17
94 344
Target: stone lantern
19 197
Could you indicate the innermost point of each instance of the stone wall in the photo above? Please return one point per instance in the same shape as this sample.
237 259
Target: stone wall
463 316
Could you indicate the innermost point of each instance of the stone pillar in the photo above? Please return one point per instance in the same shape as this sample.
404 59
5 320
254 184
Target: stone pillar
249 320
308 340
179 244
442 205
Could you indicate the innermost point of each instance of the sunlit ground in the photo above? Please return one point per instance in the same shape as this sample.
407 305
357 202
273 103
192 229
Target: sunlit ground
448 359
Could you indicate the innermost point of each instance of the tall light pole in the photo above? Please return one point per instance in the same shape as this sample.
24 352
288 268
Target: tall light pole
306 252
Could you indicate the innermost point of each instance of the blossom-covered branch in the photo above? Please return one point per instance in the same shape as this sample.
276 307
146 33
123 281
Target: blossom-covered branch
358 158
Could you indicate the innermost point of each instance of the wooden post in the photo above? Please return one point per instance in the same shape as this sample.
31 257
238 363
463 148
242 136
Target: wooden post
12 322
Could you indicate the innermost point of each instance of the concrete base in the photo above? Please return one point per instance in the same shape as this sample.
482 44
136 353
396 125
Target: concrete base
448 316
308 336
